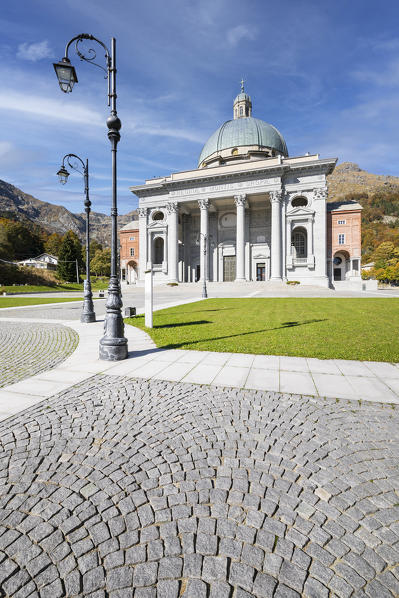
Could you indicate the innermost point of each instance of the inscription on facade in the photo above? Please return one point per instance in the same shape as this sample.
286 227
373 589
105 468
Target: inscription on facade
224 187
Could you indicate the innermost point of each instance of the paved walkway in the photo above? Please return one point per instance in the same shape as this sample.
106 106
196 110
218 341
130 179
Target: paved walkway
119 488
27 348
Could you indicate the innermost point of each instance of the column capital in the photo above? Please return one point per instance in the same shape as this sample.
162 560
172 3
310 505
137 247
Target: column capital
240 200
320 193
276 196
172 207
142 212
203 204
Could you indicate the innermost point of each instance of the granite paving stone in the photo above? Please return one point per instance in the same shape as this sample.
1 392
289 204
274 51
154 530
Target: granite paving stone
122 487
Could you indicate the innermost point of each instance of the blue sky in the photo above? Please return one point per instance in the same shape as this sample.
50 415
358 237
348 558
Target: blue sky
326 74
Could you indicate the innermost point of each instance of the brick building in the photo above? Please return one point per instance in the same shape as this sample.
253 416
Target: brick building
344 240
129 252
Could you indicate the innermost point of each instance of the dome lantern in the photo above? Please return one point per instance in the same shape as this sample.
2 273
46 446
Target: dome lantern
242 106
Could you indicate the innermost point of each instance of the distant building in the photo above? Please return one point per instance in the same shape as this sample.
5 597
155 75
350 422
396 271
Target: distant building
129 252
44 261
344 241
248 211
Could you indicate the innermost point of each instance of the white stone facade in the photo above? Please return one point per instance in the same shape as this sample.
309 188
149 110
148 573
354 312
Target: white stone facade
261 219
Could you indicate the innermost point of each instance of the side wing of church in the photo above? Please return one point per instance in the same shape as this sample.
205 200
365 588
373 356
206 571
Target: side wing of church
248 212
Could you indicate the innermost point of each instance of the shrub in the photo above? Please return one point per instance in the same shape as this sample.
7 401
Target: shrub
293 282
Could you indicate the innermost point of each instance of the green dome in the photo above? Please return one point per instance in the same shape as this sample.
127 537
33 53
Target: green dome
242 132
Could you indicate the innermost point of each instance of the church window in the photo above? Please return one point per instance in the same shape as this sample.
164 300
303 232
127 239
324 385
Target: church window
158 216
299 243
241 111
299 202
341 239
158 250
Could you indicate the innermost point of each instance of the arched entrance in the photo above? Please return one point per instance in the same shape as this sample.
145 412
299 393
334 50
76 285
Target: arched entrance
341 263
131 272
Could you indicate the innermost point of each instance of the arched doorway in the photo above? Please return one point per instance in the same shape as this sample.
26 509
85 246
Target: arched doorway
341 263
131 272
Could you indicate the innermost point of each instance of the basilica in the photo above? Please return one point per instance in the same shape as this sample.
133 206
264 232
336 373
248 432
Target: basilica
248 212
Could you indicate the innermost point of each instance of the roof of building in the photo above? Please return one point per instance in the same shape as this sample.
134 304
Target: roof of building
244 132
242 96
132 225
334 206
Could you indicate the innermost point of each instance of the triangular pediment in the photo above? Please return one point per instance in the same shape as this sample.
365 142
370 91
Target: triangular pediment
301 211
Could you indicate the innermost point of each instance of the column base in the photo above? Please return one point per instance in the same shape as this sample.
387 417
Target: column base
276 278
240 280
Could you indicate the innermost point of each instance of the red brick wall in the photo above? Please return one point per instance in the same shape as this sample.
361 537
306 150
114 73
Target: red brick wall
126 244
351 229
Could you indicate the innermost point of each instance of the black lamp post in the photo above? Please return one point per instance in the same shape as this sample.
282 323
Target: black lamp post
88 314
113 345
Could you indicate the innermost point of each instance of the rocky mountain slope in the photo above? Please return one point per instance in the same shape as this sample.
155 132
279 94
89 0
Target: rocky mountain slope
350 178
16 204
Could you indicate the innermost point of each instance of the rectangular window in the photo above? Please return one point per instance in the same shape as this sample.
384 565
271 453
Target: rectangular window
132 238
341 239
341 221
131 251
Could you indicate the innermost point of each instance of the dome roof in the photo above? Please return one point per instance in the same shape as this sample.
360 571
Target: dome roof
242 132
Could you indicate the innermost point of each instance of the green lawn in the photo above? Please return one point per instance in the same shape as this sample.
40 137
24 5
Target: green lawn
364 329
18 301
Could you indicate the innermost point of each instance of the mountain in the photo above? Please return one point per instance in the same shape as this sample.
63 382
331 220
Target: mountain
21 206
349 178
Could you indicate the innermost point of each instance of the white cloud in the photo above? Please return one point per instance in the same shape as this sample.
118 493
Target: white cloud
34 52
236 34
384 77
43 107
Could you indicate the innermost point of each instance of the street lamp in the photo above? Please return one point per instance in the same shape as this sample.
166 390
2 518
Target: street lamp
87 314
205 242
113 345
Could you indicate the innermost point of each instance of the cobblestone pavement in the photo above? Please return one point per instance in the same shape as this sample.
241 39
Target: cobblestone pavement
27 349
118 488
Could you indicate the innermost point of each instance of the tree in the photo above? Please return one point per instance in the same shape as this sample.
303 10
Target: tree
6 249
94 246
101 263
25 242
53 244
70 252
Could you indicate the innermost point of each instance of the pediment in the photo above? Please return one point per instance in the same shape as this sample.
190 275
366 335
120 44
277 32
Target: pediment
301 211
157 224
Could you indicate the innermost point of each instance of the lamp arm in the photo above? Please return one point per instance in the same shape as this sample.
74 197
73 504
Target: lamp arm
71 165
78 39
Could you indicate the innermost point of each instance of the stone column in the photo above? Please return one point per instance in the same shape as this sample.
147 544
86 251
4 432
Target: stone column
142 242
275 200
204 237
173 223
240 200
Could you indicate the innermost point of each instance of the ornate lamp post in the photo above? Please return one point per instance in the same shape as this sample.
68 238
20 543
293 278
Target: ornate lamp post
88 314
113 345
